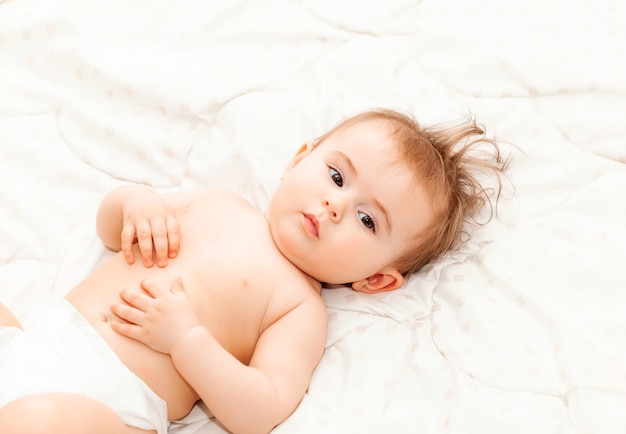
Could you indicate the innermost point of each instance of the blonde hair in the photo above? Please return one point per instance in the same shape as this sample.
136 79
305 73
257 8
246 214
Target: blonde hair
449 160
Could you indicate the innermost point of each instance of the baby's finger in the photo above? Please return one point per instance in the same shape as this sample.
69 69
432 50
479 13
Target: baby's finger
129 330
173 235
127 313
144 239
159 238
136 299
128 239
177 285
153 288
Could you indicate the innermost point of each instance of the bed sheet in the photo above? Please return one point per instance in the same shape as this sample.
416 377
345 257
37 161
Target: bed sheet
522 331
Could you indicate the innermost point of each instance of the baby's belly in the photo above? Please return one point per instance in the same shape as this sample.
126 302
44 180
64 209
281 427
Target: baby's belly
93 298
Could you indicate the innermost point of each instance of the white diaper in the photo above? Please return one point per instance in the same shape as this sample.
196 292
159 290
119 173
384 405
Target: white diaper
59 351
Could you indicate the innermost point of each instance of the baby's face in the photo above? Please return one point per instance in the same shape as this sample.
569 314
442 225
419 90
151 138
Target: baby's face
348 208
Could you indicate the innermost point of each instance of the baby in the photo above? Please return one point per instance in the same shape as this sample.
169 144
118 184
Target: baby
231 314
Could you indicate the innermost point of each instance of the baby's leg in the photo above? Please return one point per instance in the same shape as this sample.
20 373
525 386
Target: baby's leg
7 319
66 413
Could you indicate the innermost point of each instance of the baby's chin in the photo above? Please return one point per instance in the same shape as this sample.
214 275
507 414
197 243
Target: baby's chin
331 276
316 268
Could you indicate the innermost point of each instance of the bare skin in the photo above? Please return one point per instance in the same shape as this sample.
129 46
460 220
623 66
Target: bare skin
236 304
209 298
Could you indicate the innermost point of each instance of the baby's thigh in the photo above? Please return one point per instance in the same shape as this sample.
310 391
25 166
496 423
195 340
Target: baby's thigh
7 319
61 413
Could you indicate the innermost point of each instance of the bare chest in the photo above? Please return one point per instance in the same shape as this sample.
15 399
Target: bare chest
237 280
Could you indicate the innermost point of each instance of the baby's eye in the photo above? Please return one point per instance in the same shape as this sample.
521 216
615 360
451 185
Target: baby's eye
367 221
336 177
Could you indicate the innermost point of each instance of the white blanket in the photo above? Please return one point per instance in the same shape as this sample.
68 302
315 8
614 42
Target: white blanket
523 331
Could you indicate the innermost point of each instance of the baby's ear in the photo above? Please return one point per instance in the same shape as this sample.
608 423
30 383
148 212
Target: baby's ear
302 152
387 280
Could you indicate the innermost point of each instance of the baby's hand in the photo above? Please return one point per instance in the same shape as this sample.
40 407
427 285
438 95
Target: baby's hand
151 221
158 316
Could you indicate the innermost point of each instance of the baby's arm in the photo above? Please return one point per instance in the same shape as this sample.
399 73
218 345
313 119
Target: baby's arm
130 214
255 398
246 399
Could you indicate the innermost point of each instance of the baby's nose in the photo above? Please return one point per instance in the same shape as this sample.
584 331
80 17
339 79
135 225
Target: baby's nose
334 208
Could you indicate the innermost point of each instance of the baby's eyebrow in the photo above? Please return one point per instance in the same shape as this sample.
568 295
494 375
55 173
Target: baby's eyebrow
346 160
386 216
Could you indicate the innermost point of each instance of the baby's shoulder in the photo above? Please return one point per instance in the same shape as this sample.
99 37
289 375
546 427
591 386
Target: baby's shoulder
296 290
300 312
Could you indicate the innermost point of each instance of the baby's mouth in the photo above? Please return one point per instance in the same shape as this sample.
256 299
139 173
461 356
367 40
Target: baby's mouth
311 225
